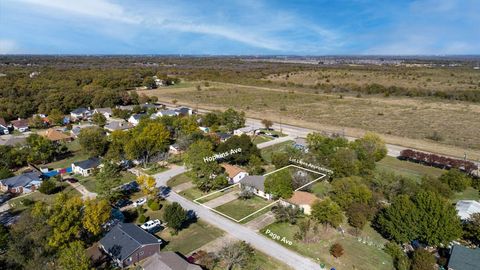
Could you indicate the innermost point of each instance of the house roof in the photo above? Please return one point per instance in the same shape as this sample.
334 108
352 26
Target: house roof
467 207
54 135
223 136
79 111
231 170
118 125
21 180
246 129
168 261
20 123
138 116
256 181
89 163
463 258
168 113
302 198
123 239
104 110
183 110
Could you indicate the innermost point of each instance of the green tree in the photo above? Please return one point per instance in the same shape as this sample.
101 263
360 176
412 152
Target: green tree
36 122
430 183
255 165
471 228
65 220
116 148
344 162
279 184
149 82
237 254
147 141
55 117
4 236
108 178
323 147
99 119
327 212
400 259
93 140
40 149
95 214
202 169
74 256
407 219
175 216
370 147
48 186
359 214
242 142
232 119
5 173
422 260
349 190
456 180
280 160
286 213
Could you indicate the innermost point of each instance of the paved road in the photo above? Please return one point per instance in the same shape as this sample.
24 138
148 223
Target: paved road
239 231
275 141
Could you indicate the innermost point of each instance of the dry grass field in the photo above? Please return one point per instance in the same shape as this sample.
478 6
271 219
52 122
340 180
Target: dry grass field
403 121
432 79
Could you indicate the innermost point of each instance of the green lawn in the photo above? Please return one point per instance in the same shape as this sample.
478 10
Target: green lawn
406 168
234 189
260 261
321 188
76 155
238 209
280 147
16 203
192 193
191 238
90 182
179 179
357 254
261 139
468 194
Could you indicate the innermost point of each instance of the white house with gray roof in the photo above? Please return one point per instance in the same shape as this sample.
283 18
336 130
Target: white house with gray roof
86 167
255 184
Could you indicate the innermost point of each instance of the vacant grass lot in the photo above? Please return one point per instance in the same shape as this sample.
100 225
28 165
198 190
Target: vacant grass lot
90 182
406 168
280 147
241 208
191 238
402 121
357 254
260 261
17 205
179 179
235 189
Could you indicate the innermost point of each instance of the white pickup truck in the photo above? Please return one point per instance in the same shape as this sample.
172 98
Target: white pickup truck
151 224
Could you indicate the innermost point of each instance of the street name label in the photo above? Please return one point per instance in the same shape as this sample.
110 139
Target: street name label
222 155
277 237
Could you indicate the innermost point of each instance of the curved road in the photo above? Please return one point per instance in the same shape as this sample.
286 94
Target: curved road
267 246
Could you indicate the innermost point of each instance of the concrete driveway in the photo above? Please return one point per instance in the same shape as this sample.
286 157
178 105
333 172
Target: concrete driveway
275 141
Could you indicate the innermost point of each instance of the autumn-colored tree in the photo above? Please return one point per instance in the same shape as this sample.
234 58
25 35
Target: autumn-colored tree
267 123
147 184
65 219
95 214
336 250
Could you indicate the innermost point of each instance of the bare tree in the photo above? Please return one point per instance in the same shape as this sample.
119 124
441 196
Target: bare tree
267 123
236 254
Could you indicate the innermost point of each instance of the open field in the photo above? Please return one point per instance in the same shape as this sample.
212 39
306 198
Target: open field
357 254
406 168
402 121
423 79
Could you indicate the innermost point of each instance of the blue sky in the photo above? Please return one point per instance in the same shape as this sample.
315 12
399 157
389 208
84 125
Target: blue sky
231 27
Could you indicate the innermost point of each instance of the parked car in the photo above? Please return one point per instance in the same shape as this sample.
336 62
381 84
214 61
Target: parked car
151 225
140 201
122 203
72 180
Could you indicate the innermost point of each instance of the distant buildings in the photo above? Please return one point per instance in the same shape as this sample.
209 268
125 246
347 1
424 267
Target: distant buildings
20 124
80 114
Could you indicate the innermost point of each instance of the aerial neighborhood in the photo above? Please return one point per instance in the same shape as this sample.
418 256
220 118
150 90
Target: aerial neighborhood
121 177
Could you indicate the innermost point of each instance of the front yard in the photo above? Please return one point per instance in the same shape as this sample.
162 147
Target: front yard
360 253
239 208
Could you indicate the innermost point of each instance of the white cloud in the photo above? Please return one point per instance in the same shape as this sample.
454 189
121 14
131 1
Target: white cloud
8 46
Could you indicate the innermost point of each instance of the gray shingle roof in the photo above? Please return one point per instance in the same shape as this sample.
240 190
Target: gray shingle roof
118 125
256 181
168 261
123 239
463 258
79 111
89 163
21 180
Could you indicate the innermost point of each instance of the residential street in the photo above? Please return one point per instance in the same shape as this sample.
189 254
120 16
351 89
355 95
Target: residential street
239 231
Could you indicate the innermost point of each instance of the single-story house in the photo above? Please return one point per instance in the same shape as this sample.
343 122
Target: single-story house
20 124
465 208
301 199
184 111
235 174
164 113
255 184
3 127
174 149
126 244
250 131
55 135
80 113
21 184
301 144
168 260
86 167
125 107
135 118
107 112
223 136
118 125
463 258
